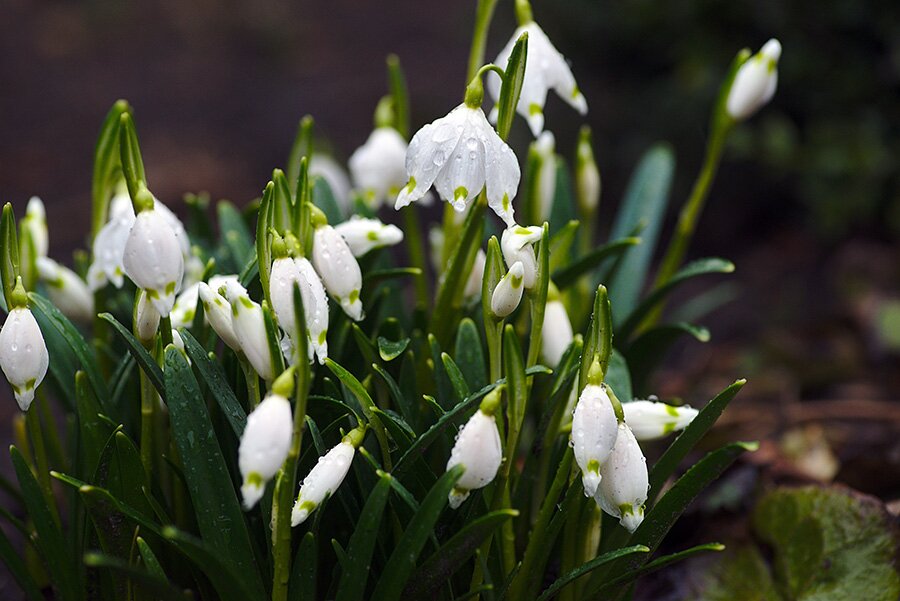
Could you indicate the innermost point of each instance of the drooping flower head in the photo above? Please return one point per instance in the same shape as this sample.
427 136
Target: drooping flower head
478 450
594 432
517 244
326 476
650 420
23 353
217 310
556 332
508 293
250 329
755 82
623 489
363 235
336 265
67 291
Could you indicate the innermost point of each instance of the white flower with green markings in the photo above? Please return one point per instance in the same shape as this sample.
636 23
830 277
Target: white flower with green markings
517 244
624 485
755 82
544 150
67 290
340 273
264 446
23 354
363 235
556 332
378 167
478 450
34 230
109 245
326 476
594 433
217 310
650 420
508 293
250 329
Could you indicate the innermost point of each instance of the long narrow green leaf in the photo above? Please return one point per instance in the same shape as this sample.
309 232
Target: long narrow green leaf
399 94
143 358
9 253
149 558
666 465
157 586
130 154
598 341
49 542
234 233
645 203
469 355
400 565
512 85
16 566
587 567
568 275
212 376
405 404
219 516
93 432
658 564
362 543
651 347
107 164
303 572
454 374
263 254
691 270
438 568
618 376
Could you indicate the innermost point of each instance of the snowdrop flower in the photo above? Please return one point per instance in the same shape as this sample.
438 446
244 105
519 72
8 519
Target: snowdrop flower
146 319
378 167
623 490
23 353
556 332
249 329
182 314
461 154
328 169
587 175
755 82
153 256
508 293
476 276
478 450
363 235
326 476
67 291
265 443
287 273
544 149
217 310
545 69
650 420
594 432
336 265
109 244
35 224
516 242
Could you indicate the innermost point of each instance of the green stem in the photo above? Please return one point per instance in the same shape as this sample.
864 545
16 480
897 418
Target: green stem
165 331
690 213
483 15
417 254
148 402
39 452
252 379
283 495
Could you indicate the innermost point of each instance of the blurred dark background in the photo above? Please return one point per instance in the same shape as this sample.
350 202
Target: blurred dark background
807 203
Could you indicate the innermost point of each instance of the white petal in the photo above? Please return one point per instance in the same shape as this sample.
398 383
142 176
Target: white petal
146 321
502 180
315 307
428 153
594 433
218 313
67 291
651 420
478 449
378 167
153 259
363 235
185 308
623 489
264 446
556 333
323 480
338 269
322 165
516 243
508 293
23 355
462 178
250 330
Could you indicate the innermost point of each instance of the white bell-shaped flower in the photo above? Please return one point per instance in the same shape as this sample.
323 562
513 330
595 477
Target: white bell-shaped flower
556 332
265 443
67 291
35 224
336 265
250 329
594 433
476 276
325 477
315 308
378 167
478 449
218 311
508 293
283 278
109 244
153 258
146 318
650 420
182 314
545 69
517 244
623 490
587 175
23 354
325 167
461 154
363 235
544 149
755 82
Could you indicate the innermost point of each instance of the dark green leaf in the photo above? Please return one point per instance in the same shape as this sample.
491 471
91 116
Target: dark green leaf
362 543
158 586
598 341
399 95
130 154
587 567
263 256
149 558
618 377
568 275
389 350
16 566
658 564
512 85
323 197
469 355
143 358
9 253
376 276
455 376
212 376
406 405
303 572
107 165
234 233
302 147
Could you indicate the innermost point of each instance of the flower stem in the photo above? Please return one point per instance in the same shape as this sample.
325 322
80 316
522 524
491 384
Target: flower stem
252 380
483 15
148 402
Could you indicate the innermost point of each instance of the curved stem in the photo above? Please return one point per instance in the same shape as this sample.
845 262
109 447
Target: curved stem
483 15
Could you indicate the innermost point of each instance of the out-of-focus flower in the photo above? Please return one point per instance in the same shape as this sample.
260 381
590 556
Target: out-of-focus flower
322 165
460 154
476 276
35 239
650 420
623 489
363 235
556 332
508 293
478 450
544 149
594 433
67 291
587 175
755 82
326 476
182 314
378 167
517 244
109 244
265 443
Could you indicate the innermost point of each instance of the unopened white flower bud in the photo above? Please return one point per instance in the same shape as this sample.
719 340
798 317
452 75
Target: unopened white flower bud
556 332
315 308
265 443
755 82
478 449
153 258
67 291
250 329
23 354
146 319
587 175
517 244
363 235
623 490
544 148
650 420
508 293
378 167
476 276
325 477
594 433
217 310
35 224
338 269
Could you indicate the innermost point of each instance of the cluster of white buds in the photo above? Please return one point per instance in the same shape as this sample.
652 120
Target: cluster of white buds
755 82
477 449
556 331
517 244
217 310
508 293
460 155
23 353
326 476
249 329
546 69
266 439
378 167
651 420
334 262
363 235
67 291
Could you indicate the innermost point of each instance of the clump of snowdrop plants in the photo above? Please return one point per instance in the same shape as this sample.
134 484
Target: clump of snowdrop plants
286 406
